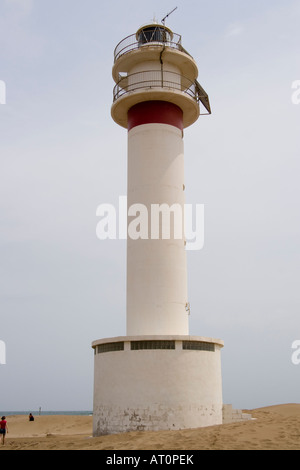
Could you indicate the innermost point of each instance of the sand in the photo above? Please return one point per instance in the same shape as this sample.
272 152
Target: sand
275 428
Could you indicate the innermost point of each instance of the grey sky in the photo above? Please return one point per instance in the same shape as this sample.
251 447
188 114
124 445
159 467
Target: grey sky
62 155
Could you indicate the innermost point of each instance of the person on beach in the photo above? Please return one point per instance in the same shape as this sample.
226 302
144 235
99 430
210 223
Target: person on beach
31 418
3 428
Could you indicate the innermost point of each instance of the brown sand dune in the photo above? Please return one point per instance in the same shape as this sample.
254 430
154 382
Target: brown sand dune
275 427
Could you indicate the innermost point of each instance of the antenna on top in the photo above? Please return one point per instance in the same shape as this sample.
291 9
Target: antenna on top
164 19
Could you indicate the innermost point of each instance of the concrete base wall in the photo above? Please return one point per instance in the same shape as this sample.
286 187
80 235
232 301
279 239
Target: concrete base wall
155 389
234 416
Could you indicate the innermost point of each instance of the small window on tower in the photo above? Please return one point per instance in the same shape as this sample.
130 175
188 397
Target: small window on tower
198 346
140 345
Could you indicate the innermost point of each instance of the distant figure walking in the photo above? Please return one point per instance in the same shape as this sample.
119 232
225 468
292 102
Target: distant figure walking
3 428
31 418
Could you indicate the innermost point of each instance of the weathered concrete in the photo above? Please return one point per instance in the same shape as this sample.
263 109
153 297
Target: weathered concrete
234 416
155 390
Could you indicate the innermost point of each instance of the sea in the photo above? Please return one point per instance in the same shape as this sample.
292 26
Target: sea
47 413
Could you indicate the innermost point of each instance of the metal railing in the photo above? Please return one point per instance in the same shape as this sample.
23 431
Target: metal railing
132 43
153 79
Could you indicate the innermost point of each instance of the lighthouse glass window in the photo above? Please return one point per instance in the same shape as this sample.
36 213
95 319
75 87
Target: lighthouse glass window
110 347
153 34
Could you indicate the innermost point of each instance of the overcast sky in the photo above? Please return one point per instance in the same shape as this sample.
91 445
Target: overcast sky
62 156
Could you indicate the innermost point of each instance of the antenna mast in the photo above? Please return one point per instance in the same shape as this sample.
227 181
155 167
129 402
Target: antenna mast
164 19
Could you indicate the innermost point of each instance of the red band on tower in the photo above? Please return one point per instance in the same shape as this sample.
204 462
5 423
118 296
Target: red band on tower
155 112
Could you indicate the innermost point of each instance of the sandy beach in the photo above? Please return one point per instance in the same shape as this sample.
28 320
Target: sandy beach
274 428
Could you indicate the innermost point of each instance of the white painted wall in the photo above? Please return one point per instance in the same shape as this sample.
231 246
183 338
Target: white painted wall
156 269
142 75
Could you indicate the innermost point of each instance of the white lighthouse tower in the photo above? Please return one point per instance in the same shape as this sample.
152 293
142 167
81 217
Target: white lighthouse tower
157 377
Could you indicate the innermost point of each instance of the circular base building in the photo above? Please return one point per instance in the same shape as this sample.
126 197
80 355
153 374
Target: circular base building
156 383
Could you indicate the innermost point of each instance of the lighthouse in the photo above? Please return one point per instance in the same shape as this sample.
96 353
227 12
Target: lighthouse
157 377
